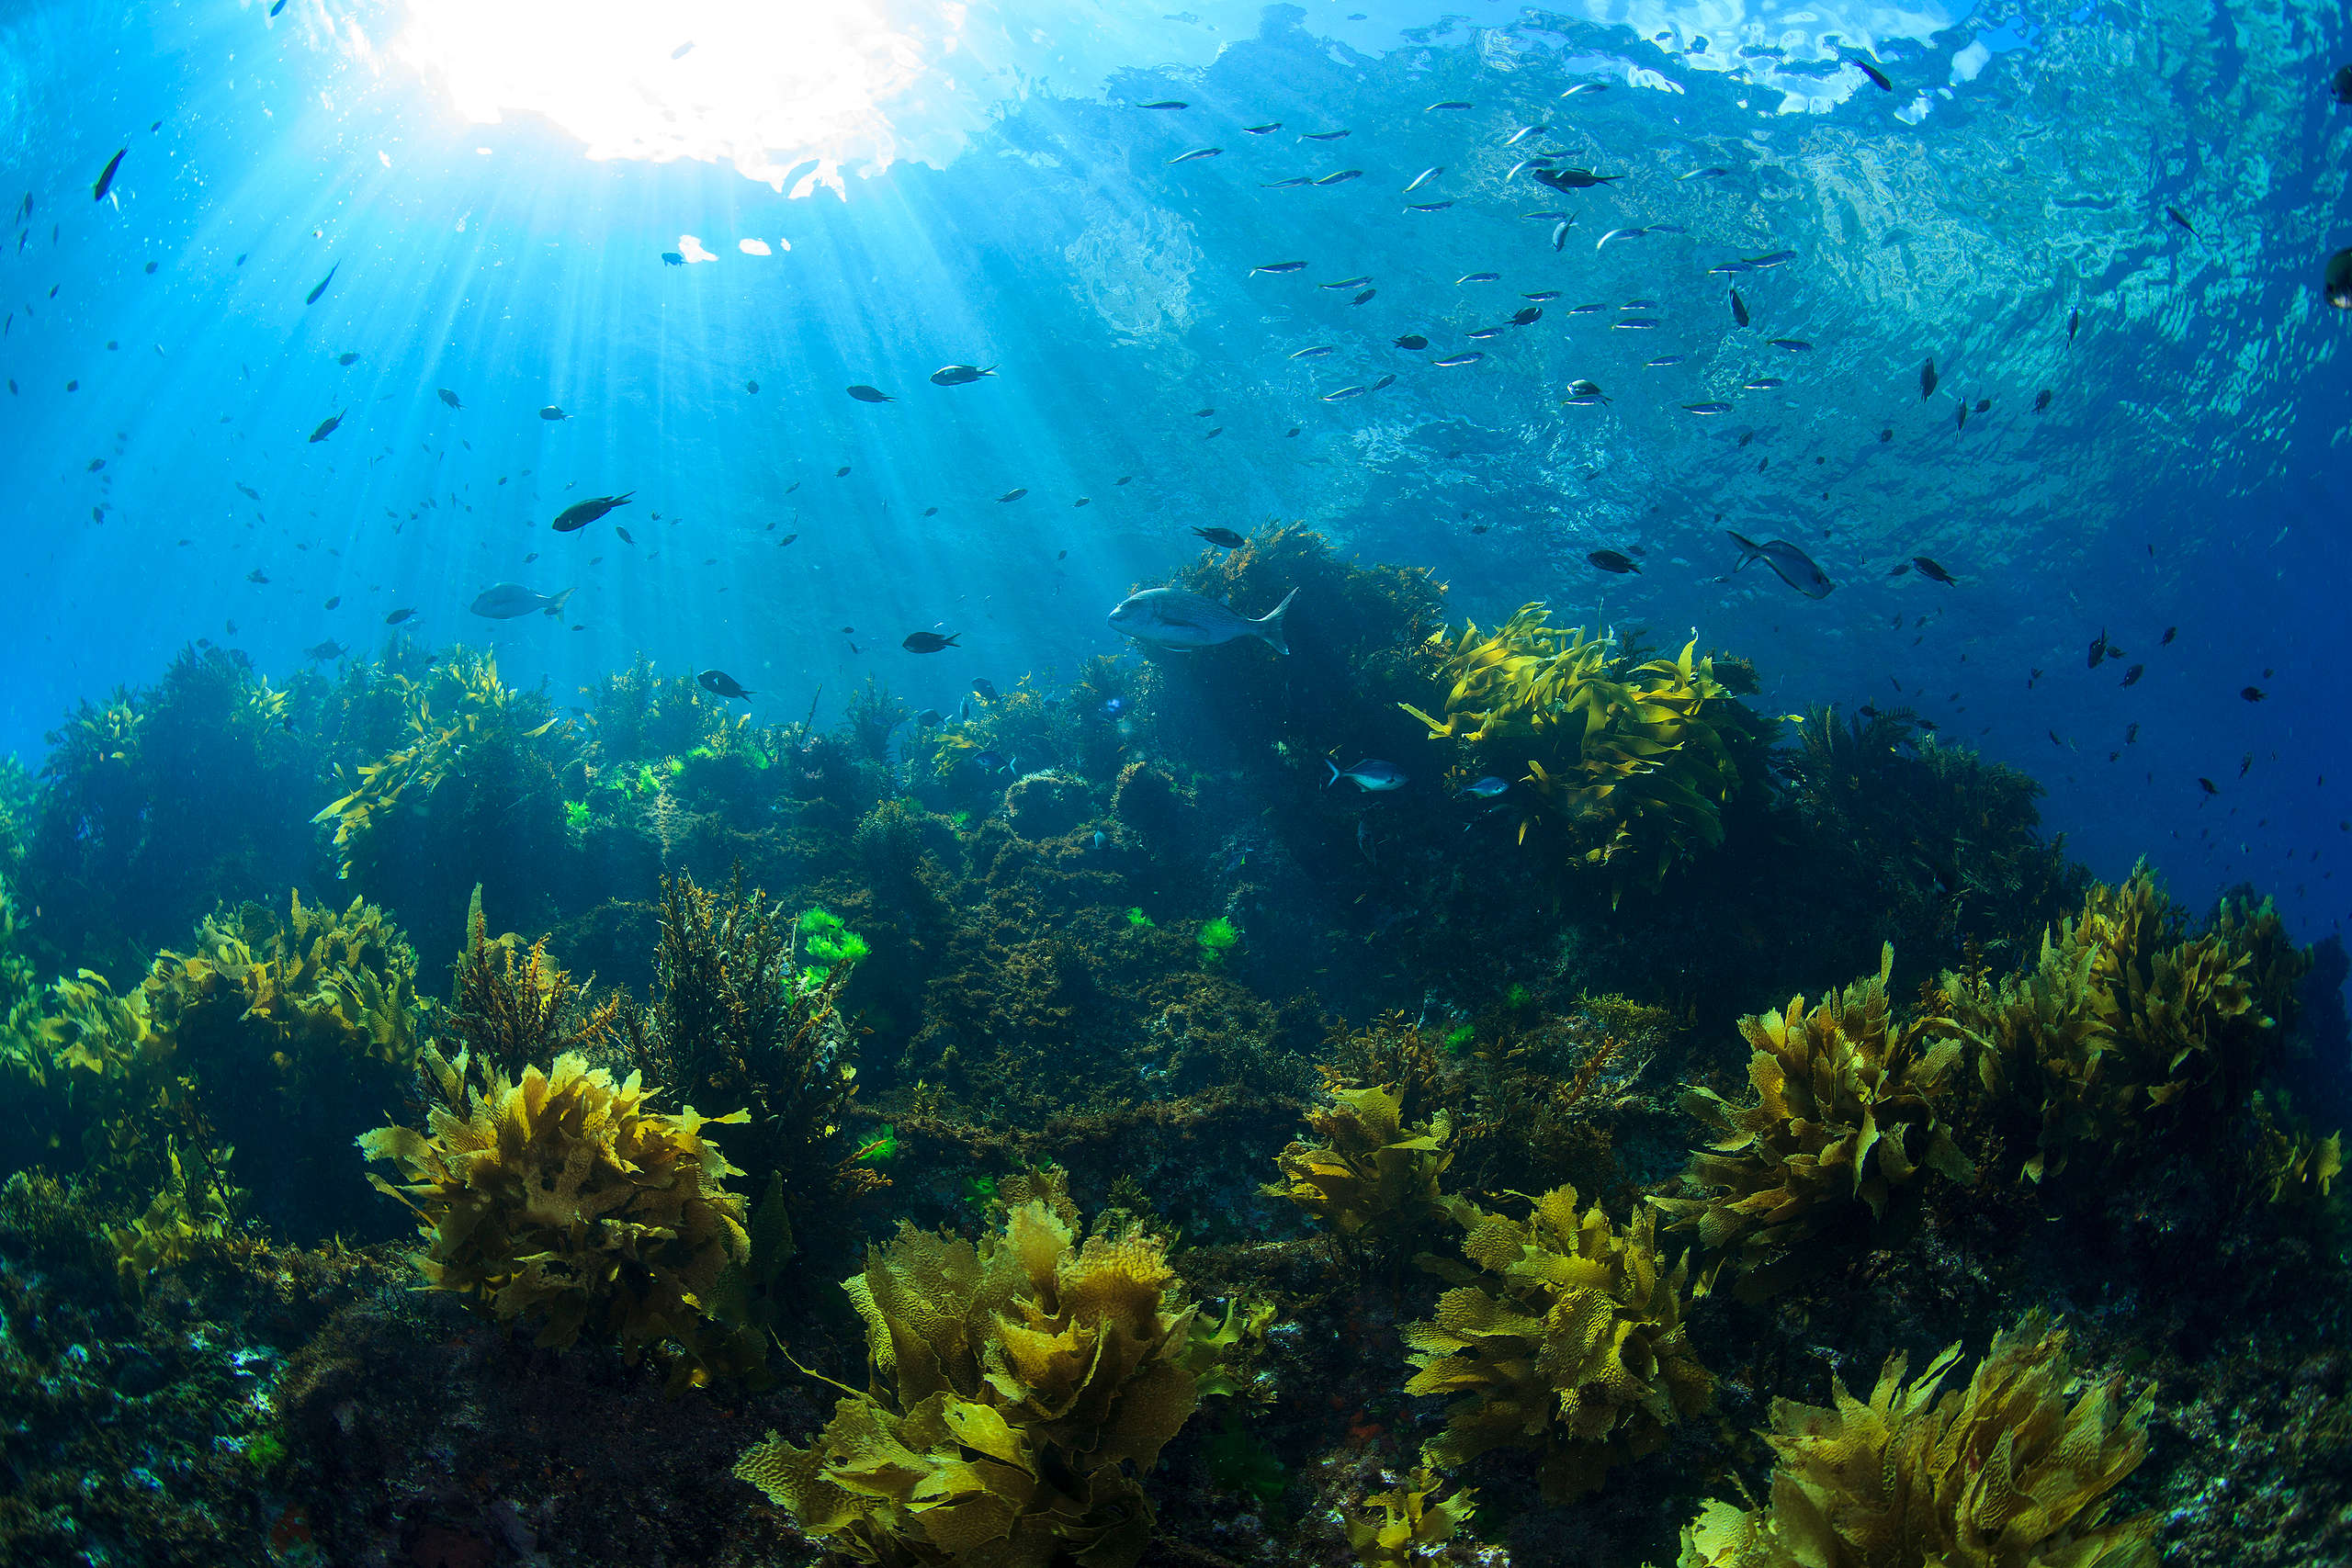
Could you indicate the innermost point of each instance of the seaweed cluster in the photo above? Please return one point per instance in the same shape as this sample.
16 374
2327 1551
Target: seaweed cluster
564 1201
2018 1468
1020 1389
1373 1179
1565 1335
1850 1108
1628 759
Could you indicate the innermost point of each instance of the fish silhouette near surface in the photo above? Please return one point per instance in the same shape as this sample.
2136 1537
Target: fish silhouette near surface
578 515
719 683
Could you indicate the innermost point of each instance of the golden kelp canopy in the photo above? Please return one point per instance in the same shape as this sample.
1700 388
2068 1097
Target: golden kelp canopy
1372 1176
564 1200
1015 1384
1567 1338
1850 1107
1627 760
2005 1474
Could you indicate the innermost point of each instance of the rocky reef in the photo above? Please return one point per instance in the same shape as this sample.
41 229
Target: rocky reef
1085 1130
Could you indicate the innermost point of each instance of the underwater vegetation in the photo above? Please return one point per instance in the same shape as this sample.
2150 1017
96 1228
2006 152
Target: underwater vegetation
564 1201
2016 1468
1628 760
1849 1112
1019 1389
1565 1335
1373 1179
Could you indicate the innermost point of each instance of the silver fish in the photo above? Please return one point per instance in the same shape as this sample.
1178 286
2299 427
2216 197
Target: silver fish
1524 132
1424 177
1702 175
1560 233
1317 352
1429 206
1662 362
1479 277
505 601
1452 360
1347 282
1790 564
1344 394
1634 233
1174 619
1371 774
1197 153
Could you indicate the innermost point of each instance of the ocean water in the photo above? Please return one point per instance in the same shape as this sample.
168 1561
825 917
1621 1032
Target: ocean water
374 290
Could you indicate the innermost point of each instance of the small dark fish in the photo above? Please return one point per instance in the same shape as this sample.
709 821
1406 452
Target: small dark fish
346 359
2131 735
2041 399
2340 85
1364 296
1197 152
578 515
842 472
985 687
1429 206
332 601
721 684
866 394
1015 494
1794 345
1983 405
250 494
2099 649
1527 315
1384 381
2132 676
752 386
2176 216
1347 282
1738 309
450 398
1927 380
313 297
2252 693
779 543
1571 179
2208 787
256 575
1166 103
106 178
1901 571
551 412
671 258
1449 103
1929 569
1223 538
990 762
278 7
1452 360
1278 267
2073 319
1708 408
397 617
1124 479
627 537
1612 561
1321 135
1340 178
323 651
325 429
928 642
2170 633
1872 71
930 512
1887 435
959 375
2245 765
2336 283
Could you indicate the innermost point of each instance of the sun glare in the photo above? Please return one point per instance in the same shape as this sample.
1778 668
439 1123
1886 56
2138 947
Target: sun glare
786 90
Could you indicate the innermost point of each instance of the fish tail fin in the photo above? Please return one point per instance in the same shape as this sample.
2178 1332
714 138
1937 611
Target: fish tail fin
1749 550
1270 625
991 370
1335 773
556 607
950 640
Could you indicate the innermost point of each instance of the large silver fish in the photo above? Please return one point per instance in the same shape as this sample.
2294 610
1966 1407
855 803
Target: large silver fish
1174 619
1791 565
505 601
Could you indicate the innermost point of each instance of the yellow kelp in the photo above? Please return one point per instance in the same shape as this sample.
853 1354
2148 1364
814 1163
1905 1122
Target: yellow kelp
1018 1389
563 1199
1373 1178
2005 1474
1567 1339
1850 1107
1628 760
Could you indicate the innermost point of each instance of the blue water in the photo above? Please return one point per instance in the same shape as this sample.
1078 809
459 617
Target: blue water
1007 204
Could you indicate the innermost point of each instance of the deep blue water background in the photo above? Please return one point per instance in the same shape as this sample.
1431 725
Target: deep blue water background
2190 472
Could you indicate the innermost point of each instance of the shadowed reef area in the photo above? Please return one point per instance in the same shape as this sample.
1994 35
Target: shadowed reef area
443 1125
